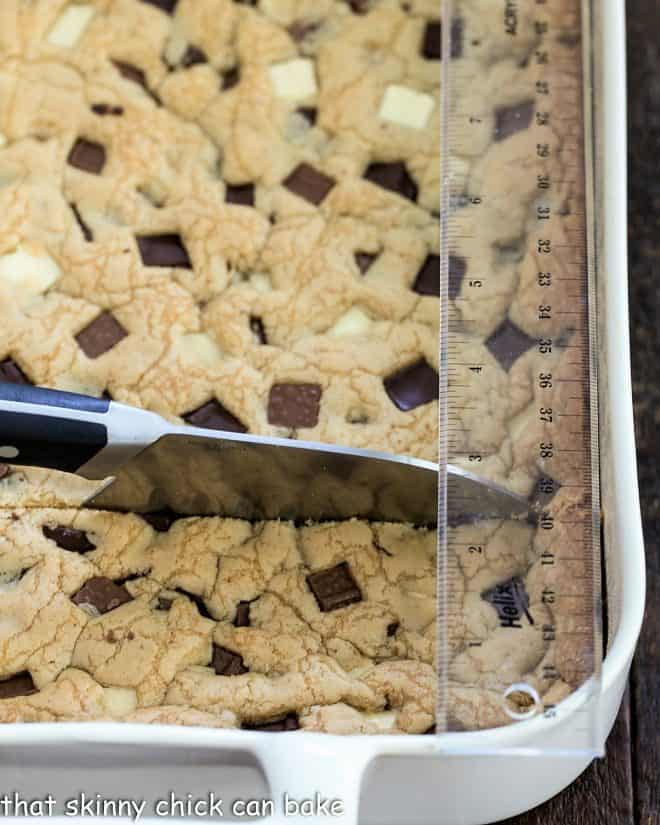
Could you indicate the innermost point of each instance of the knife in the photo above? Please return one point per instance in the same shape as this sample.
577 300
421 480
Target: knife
146 464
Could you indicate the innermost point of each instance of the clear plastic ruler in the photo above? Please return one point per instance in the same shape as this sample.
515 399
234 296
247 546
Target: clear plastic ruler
520 624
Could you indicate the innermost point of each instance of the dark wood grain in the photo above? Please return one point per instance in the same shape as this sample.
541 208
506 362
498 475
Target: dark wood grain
603 795
644 235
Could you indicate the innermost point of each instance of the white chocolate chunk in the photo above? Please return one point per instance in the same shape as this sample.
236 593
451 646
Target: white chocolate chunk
383 721
119 701
198 347
261 282
70 25
3 140
29 271
406 107
294 80
354 322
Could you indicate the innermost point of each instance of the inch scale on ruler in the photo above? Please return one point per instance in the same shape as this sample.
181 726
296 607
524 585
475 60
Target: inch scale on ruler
518 333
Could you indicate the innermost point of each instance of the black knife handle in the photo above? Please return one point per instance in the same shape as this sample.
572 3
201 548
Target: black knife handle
49 428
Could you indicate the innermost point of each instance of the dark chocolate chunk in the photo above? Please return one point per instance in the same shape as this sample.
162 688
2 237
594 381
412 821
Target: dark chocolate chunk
167 6
19 685
392 629
246 2
163 250
310 114
413 386
508 343
101 335
432 40
257 327
242 618
457 270
310 184
286 723
105 109
68 538
512 119
511 601
428 277
5 469
197 600
87 156
161 520
87 232
227 663
395 177
164 603
241 195
300 29
213 416
334 588
364 260
231 78
12 373
193 57
101 593
294 405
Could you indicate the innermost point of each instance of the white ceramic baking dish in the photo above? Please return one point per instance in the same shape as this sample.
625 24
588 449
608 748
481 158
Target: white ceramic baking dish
409 779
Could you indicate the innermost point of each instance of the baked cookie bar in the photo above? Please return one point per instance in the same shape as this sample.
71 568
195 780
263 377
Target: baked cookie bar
226 211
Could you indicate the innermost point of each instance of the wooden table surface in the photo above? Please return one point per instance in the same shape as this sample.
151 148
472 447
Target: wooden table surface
624 789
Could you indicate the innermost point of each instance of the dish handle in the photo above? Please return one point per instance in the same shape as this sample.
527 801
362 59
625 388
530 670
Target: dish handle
311 781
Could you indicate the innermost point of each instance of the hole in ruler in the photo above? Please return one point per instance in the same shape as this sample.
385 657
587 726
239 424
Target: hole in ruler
8 452
521 701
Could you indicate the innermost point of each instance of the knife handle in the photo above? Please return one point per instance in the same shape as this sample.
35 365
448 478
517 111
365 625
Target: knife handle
70 432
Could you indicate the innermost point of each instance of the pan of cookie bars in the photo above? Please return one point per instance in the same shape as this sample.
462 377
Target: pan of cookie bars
204 216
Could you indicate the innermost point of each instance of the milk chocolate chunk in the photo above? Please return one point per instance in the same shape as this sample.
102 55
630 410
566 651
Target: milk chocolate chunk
19 685
161 520
87 156
359 6
231 78
310 114
163 250
285 723
413 386
508 343
334 588
364 260
5 469
102 594
12 373
395 177
428 277
257 327
457 270
167 6
512 119
242 618
68 538
511 602
193 57
240 195
294 405
86 231
213 416
227 663
105 110
310 184
101 335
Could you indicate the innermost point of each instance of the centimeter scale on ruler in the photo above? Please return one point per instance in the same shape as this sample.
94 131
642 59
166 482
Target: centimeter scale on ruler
558 168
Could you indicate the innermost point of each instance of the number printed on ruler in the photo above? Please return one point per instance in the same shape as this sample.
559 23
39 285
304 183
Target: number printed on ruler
521 393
